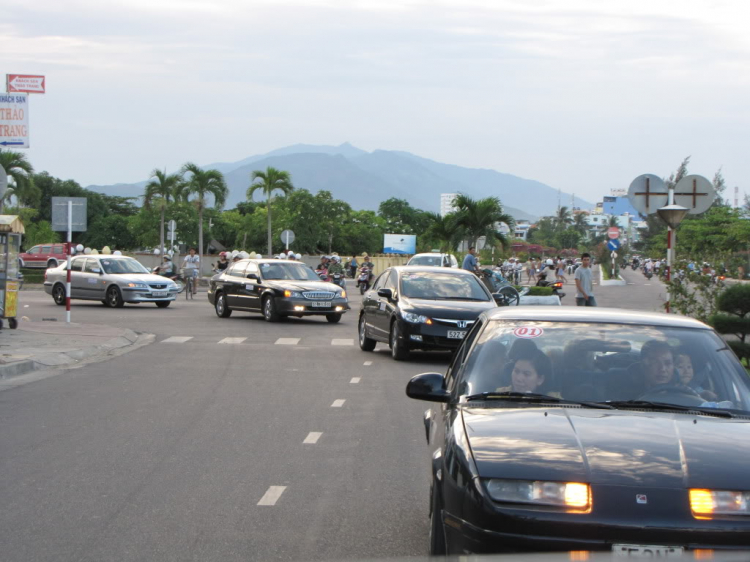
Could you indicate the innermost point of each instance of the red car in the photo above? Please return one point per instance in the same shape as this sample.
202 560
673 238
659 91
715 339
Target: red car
43 256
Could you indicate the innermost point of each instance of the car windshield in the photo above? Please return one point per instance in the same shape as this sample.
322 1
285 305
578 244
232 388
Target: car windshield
426 260
123 266
442 285
612 363
288 271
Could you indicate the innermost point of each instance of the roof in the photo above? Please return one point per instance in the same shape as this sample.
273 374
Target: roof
11 223
594 314
432 268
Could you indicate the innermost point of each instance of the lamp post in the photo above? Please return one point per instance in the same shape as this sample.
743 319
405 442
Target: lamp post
672 215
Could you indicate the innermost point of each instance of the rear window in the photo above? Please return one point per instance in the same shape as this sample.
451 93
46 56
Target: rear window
427 260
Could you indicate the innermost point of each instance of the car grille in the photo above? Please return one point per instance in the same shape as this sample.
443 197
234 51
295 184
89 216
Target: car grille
159 286
457 323
318 295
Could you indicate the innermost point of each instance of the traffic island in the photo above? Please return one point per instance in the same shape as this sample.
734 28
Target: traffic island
610 282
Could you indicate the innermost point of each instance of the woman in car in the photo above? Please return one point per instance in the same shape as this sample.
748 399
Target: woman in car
529 372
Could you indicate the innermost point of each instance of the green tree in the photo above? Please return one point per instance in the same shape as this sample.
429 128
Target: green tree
160 191
204 184
442 232
268 182
733 306
581 224
20 171
563 218
481 217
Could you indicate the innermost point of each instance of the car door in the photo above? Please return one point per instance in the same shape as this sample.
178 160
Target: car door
77 290
387 308
232 280
251 288
370 305
33 257
92 281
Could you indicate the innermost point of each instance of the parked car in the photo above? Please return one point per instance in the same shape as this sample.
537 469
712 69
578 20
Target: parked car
43 256
434 259
571 429
113 280
420 307
275 288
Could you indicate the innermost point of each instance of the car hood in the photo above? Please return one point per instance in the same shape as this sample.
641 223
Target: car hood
148 278
302 285
462 310
623 448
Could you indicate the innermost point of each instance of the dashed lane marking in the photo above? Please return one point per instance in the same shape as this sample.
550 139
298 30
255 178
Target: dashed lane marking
337 403
287 341
312 437
342 342
631 283
647 284
355 380
368 363
233 340
272 495
177 339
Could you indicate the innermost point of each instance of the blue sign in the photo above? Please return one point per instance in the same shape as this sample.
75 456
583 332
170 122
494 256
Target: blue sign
400 244
613 245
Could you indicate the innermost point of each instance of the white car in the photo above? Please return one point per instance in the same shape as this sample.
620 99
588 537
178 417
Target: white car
113 280
434 259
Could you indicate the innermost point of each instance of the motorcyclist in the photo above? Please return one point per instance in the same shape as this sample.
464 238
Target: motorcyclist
167 268
366 262
324 263
336 267
223 262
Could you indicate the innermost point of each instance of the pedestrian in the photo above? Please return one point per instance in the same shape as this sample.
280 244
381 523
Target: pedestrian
353 266
192 264
531 271
470 260
561 270
584 283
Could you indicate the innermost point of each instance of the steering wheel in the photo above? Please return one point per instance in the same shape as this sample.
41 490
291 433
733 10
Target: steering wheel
673 393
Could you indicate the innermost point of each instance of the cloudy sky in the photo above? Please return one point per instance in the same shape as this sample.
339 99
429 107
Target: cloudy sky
582 95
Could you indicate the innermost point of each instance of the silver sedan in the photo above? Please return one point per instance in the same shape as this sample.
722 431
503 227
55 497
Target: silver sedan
113 280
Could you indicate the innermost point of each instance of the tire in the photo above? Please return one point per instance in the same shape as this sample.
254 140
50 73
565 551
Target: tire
12 323
511 295
437 531
269 310
163 304
51 263
220 306
333 318
399 350
114 298
58 294
365 343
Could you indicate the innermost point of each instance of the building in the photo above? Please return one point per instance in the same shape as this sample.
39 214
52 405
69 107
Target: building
446 203
522 229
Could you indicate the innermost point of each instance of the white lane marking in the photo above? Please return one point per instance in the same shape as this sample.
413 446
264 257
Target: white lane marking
337 403
647 284
287 341
355 380
631 283
272 495
312 437
177 339
342 342
233 340
368 363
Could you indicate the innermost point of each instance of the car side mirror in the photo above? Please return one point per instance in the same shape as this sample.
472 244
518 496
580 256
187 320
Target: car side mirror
385 293
429 387
499 299
253 276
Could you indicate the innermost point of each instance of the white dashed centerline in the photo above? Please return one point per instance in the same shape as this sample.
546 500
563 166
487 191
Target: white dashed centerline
355 380
177 339
233 340
337 403
287 341
312 437
272 495
368 363
342 342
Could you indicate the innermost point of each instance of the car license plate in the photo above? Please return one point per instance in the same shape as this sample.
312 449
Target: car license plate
456 334
320 304
160 293
646 551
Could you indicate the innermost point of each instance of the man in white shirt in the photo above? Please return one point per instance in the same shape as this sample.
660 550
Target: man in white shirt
192 264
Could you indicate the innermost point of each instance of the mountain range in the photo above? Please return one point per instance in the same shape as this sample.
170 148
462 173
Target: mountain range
365 179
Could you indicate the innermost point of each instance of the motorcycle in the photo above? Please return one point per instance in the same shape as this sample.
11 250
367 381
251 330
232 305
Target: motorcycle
556 286
338 279
363 280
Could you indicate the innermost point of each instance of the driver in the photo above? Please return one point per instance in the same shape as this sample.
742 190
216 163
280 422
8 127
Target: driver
529 372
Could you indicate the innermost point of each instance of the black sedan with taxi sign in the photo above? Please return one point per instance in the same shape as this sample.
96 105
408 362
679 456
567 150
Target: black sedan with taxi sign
579 429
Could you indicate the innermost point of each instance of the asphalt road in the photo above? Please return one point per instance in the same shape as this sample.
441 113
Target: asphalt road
284 442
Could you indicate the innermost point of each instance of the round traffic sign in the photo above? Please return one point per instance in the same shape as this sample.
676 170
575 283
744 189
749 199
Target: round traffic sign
694 192
287 237
647 193
613 232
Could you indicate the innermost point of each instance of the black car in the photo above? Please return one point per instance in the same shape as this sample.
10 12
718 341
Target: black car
588 429
421 307
275 288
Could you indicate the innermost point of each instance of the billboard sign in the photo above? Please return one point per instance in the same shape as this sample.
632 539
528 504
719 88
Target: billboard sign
399 244
20 83
14 120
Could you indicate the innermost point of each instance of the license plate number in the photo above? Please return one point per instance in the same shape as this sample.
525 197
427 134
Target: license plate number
646 551
160 293
456 334
320 304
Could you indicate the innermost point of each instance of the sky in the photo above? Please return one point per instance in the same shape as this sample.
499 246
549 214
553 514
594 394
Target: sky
581 95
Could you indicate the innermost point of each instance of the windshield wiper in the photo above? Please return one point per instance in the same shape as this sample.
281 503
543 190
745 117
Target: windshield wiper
667 406
534 398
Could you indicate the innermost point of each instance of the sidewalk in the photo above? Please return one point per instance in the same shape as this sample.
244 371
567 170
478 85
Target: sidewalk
40 345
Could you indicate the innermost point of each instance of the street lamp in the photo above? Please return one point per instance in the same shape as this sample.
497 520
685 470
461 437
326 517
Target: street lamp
672 215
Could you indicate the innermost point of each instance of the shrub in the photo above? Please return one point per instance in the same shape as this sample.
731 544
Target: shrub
734 306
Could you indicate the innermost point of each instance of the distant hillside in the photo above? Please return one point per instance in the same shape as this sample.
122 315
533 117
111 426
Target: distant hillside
365 179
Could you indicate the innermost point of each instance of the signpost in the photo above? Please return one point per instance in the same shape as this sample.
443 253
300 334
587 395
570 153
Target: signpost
14 120
614 244
69 213
287 237
28 83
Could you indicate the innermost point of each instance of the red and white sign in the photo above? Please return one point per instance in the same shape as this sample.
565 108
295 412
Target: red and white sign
528 332
613 232
25 83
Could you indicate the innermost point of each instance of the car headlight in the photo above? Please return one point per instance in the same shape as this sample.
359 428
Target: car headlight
572 495
293 294
137 285
705 503
415 318
342 294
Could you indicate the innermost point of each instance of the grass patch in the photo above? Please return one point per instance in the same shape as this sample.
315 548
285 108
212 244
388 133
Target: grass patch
33 275
537 291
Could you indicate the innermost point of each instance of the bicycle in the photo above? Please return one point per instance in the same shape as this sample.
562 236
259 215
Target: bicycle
187 275
504 292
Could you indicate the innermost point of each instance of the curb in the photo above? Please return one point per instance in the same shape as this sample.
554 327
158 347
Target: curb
610 282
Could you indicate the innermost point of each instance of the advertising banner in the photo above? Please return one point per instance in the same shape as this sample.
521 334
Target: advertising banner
14 120
400 244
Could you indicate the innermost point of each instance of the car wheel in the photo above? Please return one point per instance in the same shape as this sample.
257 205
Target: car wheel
58 294
399 350
51 263
222 310
114 298
163 304
333 318
269 310
437 531
365 343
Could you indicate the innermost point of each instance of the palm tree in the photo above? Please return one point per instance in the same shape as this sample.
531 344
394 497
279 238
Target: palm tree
563 217
20 170
580 223
203 184
480 217
442 230
270 181
159 190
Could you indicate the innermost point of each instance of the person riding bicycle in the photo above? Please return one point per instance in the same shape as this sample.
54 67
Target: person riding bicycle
192 263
